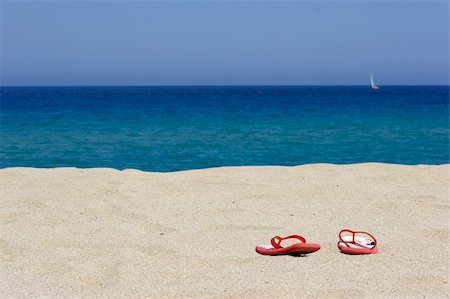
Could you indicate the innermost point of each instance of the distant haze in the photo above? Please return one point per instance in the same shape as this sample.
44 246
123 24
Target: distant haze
224 43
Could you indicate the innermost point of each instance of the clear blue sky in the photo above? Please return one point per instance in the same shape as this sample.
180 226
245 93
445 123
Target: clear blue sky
224 43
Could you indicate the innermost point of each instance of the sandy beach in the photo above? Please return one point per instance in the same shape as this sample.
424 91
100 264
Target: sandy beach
68 232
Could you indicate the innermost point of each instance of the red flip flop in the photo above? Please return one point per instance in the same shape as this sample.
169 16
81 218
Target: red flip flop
295 249
357 242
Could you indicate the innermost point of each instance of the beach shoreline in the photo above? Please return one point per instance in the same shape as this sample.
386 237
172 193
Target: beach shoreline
99 232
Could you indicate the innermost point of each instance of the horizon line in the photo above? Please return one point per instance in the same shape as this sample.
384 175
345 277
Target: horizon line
227 85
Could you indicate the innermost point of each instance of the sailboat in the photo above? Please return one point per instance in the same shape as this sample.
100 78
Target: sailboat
374 86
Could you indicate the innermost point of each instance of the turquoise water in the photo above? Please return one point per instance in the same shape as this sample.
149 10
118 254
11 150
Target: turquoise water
176 128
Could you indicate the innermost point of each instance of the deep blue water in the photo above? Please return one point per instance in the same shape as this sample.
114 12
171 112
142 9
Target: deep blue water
175 128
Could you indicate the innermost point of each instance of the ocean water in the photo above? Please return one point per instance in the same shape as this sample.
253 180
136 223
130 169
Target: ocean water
177 128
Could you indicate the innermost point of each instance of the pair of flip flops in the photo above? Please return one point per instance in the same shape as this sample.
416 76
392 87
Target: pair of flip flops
350 242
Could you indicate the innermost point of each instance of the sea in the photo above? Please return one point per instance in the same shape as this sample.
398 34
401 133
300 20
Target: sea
167 129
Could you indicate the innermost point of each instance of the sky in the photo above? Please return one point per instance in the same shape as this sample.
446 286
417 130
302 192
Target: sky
60 43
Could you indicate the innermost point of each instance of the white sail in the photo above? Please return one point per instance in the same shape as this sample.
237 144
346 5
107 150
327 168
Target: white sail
372 83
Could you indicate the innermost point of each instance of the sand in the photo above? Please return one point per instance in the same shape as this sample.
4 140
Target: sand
70 232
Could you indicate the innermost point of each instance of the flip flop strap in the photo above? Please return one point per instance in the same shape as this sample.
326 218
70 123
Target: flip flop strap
353 238
275 241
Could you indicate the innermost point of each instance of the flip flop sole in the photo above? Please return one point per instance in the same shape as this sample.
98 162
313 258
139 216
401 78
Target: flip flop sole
356 251
295 249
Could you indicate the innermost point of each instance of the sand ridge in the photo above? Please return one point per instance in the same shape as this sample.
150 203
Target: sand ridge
68 232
